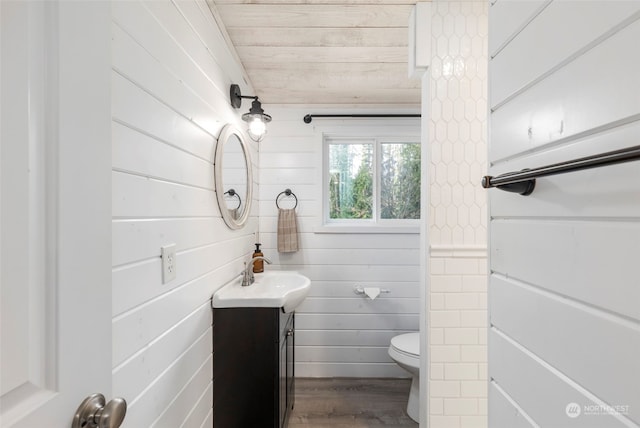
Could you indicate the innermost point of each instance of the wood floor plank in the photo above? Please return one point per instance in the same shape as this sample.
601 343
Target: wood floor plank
351 402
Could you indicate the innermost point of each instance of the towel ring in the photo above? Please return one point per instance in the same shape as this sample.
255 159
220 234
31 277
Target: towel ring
287 192
232 192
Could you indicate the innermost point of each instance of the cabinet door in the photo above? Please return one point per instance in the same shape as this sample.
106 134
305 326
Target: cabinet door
283 384
246 361
290 369
286 367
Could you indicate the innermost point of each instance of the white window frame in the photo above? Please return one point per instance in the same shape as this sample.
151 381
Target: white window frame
375 224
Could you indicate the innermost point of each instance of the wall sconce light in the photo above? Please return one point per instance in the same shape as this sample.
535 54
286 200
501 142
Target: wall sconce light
256 117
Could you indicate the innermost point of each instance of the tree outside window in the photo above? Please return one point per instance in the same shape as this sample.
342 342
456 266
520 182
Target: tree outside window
358 168
400 181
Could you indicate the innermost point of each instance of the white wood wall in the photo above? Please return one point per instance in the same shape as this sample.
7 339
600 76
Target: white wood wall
171 77
338 333
564 288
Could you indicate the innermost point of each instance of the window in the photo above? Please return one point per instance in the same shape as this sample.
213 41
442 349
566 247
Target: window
372 181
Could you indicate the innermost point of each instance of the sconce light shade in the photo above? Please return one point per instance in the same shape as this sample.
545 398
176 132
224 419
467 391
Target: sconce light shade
256 118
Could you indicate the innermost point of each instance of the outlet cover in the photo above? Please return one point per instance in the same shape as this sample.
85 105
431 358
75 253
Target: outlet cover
168 254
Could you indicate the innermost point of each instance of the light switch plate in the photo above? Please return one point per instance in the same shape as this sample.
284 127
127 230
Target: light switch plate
168 254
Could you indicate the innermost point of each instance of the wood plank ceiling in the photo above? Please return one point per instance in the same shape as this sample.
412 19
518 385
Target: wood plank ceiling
332 52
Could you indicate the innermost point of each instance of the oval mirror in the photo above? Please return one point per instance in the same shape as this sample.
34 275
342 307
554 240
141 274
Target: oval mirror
233 175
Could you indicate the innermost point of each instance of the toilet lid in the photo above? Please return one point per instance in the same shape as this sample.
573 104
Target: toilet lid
408 343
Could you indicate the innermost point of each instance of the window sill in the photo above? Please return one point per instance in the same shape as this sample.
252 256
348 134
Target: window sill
350 229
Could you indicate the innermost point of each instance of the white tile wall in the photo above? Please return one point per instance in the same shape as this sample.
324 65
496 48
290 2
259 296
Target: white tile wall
458 123
457 315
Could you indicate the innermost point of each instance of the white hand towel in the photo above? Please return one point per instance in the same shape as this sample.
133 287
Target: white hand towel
287 231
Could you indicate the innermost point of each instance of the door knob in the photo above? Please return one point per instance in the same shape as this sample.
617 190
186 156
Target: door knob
94 413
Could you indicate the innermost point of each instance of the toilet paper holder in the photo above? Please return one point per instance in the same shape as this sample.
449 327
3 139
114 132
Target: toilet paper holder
360 290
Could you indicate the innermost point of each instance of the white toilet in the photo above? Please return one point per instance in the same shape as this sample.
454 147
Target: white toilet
405 350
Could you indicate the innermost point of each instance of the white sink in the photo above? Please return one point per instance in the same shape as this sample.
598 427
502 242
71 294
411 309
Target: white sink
272 289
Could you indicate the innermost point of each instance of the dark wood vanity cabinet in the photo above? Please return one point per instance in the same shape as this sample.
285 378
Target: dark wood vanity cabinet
253 367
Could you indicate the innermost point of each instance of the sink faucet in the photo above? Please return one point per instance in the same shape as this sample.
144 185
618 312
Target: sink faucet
247 273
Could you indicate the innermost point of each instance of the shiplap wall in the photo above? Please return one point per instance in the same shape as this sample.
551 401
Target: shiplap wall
171 74
338 333
564 290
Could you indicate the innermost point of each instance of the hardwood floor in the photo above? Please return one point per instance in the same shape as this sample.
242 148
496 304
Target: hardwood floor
351 402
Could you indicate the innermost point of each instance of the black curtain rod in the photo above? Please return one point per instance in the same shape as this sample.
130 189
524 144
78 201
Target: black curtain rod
308 118
523 182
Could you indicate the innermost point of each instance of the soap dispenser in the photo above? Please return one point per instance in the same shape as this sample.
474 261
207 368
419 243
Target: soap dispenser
258 265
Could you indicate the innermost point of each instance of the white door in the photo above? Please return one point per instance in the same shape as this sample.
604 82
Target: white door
55 189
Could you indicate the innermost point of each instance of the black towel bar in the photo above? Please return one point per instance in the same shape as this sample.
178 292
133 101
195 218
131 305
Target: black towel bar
524 182
309 117
287 192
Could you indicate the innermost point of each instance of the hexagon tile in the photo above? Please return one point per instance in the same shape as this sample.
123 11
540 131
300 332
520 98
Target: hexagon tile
457 312
458 131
